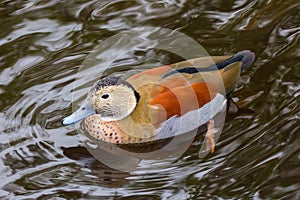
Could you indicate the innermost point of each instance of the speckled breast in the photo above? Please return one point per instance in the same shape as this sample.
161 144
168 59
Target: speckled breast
110 132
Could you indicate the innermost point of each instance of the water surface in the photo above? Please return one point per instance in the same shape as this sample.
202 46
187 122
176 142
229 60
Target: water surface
42 47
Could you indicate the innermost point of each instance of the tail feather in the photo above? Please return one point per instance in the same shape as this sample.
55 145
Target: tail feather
246 57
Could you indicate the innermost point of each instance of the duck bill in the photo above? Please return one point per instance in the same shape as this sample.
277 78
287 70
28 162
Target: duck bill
83 112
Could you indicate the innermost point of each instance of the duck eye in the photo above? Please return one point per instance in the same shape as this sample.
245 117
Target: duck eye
105 96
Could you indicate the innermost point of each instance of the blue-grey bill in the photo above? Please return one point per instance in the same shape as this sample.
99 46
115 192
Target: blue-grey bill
83 112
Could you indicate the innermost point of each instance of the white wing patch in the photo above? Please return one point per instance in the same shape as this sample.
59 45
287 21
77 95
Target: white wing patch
191 120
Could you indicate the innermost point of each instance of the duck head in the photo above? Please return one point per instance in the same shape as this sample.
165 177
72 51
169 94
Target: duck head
110 98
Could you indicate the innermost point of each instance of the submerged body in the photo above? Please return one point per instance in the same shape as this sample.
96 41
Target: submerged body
161 102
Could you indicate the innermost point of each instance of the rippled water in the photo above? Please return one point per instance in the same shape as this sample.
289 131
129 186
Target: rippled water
42 46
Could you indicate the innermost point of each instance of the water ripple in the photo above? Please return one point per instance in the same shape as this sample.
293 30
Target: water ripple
43 45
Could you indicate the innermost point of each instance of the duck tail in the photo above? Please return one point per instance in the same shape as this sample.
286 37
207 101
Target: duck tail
248 58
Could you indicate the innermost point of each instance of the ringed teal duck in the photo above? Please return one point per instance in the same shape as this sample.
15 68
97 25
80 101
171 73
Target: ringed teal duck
161 102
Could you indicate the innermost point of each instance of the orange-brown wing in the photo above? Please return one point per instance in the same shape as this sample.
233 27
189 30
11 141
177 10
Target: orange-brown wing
148 88
153 72
169 83
180 100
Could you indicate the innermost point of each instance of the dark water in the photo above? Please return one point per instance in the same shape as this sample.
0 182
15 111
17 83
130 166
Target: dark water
42 46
